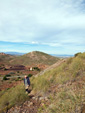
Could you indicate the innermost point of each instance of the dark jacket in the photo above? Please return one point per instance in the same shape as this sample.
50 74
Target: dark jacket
28 81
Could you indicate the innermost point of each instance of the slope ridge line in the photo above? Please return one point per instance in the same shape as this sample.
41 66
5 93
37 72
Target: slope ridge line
51 67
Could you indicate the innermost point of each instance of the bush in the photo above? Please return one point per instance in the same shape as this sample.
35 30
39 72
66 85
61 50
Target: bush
5 69
17 71
30 75
36 68
5 78
77 54
7 75
18 79
13 96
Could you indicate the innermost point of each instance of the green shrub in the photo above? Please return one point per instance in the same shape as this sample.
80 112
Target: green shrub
69 60
36 68
30 75
82 56
77 54
13 96
19 78
41 83
5 69
8 75
76 66
5 78
17 71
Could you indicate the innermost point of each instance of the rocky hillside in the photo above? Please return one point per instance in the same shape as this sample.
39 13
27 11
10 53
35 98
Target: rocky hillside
59 90
5 58
64 86
34 58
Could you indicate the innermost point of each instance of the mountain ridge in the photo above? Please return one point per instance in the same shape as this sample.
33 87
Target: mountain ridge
20 54
35 57
31 58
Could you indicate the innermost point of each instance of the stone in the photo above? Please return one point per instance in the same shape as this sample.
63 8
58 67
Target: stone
30 104
46 98
41 98
33 98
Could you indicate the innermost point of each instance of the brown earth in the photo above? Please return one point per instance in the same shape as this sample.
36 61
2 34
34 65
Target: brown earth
36 102
7 84
20 69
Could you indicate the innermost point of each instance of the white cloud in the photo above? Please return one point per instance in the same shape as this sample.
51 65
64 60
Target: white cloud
35 42
55 44
51 22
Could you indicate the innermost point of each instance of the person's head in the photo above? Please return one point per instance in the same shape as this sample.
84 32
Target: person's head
25 76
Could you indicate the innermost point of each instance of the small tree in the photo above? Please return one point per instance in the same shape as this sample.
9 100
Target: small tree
17 71
5 78
5 69
30 75
8 75
36 68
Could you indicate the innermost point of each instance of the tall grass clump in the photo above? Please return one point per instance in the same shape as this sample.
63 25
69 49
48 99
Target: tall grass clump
40 84
77 67
68 99
11 97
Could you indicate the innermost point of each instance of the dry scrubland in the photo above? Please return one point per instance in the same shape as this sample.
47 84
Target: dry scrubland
64 86
34 58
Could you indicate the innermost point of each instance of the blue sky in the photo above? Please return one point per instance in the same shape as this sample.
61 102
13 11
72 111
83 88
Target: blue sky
51 26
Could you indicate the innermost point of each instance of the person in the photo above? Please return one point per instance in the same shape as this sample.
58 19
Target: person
26 83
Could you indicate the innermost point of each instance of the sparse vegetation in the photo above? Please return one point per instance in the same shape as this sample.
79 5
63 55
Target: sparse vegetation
5 78
67 98
34 58
36 68
19 78
17 71
5 69
67 71
77 54
15 95
30 75
66 84
8 75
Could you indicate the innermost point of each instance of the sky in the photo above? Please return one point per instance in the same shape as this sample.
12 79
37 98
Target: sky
51 26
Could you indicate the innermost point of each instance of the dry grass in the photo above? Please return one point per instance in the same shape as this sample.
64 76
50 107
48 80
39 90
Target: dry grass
68 98
12 96
35 58
69 70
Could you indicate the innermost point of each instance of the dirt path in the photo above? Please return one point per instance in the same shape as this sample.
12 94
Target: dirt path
51 67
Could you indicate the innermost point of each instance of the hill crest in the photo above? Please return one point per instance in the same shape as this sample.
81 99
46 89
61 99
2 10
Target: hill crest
35 57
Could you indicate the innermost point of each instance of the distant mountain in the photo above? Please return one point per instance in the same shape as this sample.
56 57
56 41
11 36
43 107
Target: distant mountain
62 55
5 58
34 58
56 55
15 53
